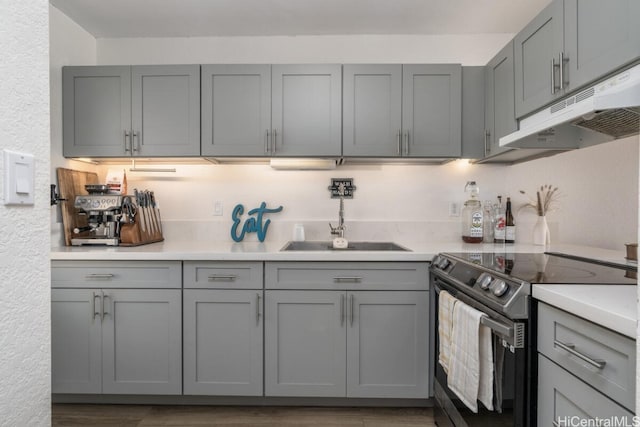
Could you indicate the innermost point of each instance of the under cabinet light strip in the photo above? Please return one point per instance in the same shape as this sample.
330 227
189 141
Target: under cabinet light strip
133 168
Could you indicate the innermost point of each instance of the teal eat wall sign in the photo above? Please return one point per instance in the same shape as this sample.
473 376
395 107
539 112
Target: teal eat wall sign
253 224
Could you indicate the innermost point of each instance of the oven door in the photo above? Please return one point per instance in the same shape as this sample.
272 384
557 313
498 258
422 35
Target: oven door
511 382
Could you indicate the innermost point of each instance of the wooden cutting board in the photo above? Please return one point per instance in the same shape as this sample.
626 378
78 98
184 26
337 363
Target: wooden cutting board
71 184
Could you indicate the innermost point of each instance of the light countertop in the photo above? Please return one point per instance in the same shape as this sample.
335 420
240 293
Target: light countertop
612 306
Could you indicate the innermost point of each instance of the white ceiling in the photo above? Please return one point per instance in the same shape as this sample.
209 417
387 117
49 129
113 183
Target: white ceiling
200 18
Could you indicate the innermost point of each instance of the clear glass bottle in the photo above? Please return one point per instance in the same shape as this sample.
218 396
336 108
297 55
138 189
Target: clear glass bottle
489 222
472 216
499 231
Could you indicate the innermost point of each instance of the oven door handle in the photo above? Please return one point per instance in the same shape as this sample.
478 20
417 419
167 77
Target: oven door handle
498 327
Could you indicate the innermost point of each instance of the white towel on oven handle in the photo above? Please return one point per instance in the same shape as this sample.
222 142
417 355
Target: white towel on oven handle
446 303
470 374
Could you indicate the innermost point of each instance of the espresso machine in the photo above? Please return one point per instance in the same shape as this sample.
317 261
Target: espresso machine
102 214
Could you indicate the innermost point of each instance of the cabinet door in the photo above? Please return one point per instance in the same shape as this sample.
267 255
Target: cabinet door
432 110
599 37
565 400
96 111
236 110
166 110
141 342
387 344
223 342
75 341
305 343
500 119
306 110
372 116
535 47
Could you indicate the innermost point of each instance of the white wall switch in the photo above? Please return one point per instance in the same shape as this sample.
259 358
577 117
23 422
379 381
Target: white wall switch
217 208
19 177
454 209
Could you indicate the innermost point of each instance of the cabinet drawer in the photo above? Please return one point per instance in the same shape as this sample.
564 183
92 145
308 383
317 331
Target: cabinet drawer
567 339
116 274
347 275
219 275
561 397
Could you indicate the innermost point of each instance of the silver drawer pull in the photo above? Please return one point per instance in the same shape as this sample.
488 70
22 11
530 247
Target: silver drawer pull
347 279
570 348
97 276
222 278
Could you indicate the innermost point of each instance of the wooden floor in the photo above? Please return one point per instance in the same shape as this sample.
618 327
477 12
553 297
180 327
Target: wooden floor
237 416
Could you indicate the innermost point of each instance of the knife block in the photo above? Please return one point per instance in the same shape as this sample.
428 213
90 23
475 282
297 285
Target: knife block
146 228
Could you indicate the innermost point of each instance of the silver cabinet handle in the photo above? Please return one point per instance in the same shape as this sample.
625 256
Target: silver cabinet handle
342 310
274 141
406 141
487 139
399 139
95 313
258 308
553 76
351 298
347 279
222 278
136 147
570 348
127 135
563 62
98 276
266 141
104 312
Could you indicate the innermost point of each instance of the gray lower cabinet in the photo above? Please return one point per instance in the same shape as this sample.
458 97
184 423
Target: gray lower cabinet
223 342
306 110
500 119
116 341
565 400
236 110
305 345
570 44
346 329
584 370
112 332
122 111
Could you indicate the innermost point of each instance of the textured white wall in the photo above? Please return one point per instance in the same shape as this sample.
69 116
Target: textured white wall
69 44
24 246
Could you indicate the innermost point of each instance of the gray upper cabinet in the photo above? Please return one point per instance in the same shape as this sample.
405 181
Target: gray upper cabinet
165 110
96 110
432 110
537 54
599 37
236 110
570 44
306 113
499 107
116 111
372 110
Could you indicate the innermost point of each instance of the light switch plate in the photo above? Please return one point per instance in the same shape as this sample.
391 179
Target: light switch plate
19 177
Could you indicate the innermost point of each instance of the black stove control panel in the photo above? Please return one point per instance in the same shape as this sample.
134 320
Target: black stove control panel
491 288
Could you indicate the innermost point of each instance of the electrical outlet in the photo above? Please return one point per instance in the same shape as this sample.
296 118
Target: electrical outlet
217 208
454 209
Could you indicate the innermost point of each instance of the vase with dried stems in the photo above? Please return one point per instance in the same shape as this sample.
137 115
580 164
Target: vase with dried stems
546 199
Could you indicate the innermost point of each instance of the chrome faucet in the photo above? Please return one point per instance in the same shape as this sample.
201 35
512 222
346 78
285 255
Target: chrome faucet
339 230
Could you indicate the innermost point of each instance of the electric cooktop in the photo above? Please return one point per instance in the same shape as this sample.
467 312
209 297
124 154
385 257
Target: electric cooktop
553 268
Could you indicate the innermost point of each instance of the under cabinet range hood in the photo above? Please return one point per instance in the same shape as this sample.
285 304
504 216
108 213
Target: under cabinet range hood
605 111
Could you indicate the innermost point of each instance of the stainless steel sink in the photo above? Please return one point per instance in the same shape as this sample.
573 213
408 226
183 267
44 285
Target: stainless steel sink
353 246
